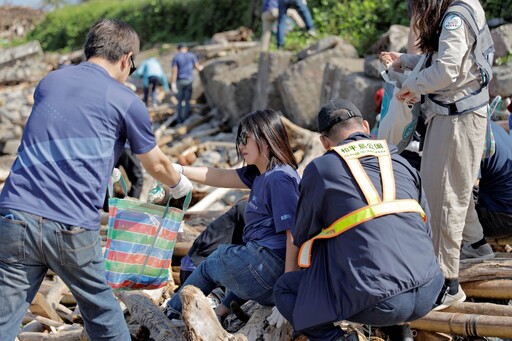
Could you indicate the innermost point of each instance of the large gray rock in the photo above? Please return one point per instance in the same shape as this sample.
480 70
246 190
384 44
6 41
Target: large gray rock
395 39
232 91
300 86
215 70
271 66
345 49
501 84
502 38
341 82
372 66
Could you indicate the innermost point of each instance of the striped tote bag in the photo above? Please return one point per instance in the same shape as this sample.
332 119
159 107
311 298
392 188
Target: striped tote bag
140 242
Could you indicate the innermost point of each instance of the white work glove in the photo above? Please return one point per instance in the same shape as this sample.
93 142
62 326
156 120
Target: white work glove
178 168
174 88
182 188
276 319
116 175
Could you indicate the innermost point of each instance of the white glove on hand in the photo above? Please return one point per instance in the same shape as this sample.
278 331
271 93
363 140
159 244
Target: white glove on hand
116 175
182 188
174 88
276 319
178 168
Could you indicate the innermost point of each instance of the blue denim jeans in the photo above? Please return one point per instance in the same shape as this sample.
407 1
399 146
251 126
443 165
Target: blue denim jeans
302 9
183 97
248 272
407 306
29 246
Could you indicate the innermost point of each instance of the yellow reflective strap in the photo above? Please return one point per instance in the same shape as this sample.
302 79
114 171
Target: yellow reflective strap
364 182
388 179
357 217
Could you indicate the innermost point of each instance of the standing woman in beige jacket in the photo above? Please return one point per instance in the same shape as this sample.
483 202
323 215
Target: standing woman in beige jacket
453 85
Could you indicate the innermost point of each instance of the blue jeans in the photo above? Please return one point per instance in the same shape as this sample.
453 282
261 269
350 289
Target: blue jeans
248 272
184 95
304 12
407 306
29 246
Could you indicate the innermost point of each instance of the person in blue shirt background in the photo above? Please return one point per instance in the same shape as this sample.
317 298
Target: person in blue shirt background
183 65
153 75
490 215
302 8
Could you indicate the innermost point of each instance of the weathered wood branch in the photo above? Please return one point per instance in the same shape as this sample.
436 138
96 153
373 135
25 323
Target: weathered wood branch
479 270
144 311
70 335
200 319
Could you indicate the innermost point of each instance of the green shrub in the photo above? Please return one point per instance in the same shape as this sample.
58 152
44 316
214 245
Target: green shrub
169 21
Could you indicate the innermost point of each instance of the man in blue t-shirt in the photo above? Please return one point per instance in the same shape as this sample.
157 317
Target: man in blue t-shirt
183 65
491 214
50 204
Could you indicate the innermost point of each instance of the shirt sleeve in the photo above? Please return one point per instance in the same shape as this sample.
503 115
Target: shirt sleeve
248 174
284 194
309 217
138 128
454 44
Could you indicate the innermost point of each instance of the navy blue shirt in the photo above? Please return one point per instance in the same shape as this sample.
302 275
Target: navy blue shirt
372 261
185 62
496 174
271 207
79 123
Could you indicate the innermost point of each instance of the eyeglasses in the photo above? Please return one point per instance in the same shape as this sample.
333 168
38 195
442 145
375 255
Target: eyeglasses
242 138
132 66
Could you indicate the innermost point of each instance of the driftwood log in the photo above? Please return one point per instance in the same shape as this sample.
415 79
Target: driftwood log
146 313
481 270
200 319
305 140
68 335
465 324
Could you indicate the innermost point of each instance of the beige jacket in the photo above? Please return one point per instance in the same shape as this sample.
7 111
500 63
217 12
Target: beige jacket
453 73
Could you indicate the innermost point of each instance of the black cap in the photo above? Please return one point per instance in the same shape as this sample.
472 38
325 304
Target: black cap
335 111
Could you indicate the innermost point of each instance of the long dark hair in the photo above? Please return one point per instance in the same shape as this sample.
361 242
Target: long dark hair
266 125
427 16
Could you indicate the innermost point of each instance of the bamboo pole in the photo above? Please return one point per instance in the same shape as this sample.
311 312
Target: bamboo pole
480 308
499 289
465 324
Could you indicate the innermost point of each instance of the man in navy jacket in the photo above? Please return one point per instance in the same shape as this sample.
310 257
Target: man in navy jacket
381 269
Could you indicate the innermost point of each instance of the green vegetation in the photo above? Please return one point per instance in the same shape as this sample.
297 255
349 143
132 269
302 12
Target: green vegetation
169 21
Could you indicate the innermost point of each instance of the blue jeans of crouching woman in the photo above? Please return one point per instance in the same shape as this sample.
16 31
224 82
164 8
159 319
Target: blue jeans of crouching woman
248 272
29 246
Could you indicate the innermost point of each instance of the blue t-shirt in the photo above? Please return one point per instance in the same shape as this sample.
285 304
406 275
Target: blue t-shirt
496 174
271 207
185 62
79 123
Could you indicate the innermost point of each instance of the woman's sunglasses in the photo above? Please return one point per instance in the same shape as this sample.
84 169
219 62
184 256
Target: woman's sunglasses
242 138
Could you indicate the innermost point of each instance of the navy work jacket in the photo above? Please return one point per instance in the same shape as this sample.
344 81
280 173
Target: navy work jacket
370 262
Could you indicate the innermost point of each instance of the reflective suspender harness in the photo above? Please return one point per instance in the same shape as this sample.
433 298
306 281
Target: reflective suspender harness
351 153
483 52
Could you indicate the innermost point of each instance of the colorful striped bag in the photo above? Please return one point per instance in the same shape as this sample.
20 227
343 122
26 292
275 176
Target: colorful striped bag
140 242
